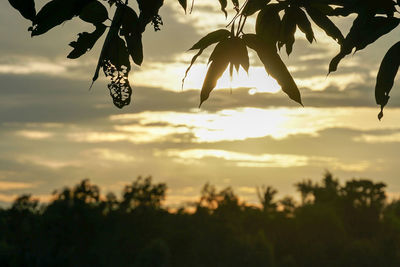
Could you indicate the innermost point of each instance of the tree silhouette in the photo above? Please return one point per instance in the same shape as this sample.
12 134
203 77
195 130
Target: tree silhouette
276 25
350 224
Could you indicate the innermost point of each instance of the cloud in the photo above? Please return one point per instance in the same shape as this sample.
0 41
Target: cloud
239 159
376 139
9 185
9 198
246 160
109 155
46 162
35 135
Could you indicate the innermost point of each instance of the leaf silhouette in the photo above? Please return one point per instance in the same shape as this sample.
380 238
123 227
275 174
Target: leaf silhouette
56 12
268 23
116 66
304 24
364 31
386 74
288 30
211 38
25 7
274 66
231 51
238 55
94 12
253 6
149 12
373 29
114 60
132 33
219 62
223 4
112 32
235 4
183 3
203 43
325 23
86 41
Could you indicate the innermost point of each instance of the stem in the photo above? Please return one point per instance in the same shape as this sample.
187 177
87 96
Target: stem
238 13
241 27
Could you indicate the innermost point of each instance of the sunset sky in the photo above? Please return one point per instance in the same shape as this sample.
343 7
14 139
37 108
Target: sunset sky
55 132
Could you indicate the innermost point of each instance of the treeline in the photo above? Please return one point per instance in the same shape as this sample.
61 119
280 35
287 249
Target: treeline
334 225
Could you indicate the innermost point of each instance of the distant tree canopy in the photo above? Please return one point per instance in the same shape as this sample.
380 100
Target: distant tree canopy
276 25
335 224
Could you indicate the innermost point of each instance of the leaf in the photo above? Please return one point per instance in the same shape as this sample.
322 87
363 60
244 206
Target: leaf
223 4
364 31
94 12
25 7
304 24
324 8
253 6
219 62
288 30
191 64
373 29
56 12
342 11
113 30
325 23
116 66
114 59
117 54
236 5
274 65
183 3
149 12
335 61
86 41
203 43
132 33
238 55
268 24
211 38
386 74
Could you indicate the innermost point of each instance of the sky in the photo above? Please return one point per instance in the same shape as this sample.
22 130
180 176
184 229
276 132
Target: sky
55 132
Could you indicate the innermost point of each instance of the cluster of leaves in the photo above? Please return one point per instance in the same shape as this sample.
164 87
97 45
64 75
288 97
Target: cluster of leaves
276 24
335 224
123 39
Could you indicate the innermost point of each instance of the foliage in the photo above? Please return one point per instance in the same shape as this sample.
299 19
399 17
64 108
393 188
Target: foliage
350 224
276 24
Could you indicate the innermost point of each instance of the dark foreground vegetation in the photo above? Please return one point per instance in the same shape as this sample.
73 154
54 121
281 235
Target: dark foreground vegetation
334 225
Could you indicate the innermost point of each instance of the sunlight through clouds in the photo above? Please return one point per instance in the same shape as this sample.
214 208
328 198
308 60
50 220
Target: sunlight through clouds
197 156
239 159
47 162
244 123
169 77
108 155
10 185
36 135
374 139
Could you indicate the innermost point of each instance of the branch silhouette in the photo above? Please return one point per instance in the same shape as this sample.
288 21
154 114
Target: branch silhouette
276 24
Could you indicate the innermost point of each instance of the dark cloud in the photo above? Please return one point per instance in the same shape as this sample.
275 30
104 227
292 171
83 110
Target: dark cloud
37 98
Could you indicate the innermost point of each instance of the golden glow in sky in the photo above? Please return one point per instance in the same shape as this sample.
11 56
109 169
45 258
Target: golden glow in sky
54 132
